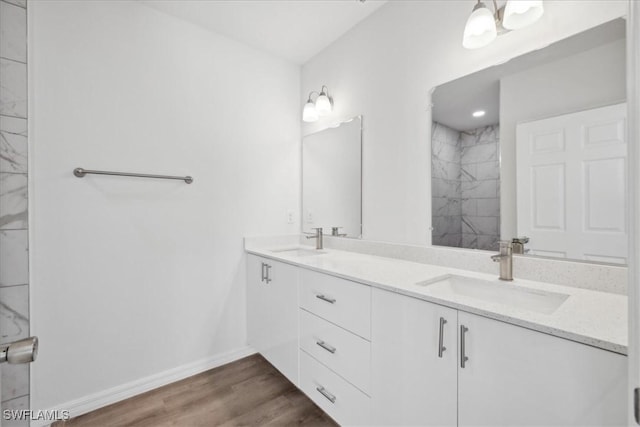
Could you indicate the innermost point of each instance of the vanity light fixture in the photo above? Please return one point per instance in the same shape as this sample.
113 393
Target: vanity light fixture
321 107
521 13
479 113
483 26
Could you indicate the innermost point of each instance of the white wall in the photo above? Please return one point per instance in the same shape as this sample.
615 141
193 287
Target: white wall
385 68
132 277
590 79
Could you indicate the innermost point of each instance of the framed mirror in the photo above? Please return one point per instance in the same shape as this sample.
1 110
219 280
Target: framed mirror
535 150
332 180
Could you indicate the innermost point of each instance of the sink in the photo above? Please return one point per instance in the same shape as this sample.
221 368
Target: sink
298 251
511 295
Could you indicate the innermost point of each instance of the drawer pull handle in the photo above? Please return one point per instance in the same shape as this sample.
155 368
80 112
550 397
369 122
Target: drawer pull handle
267 277
330 397
326 346
327 299
441 347
263 275
463 352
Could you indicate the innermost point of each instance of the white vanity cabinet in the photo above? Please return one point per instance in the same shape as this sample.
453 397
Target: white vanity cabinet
511 376
272 313
515 377
335 350
414 361
369 356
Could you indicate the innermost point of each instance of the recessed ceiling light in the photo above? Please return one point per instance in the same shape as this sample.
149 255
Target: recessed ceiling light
478 113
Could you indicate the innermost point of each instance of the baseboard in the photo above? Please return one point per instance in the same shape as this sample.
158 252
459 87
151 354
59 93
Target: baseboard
107 397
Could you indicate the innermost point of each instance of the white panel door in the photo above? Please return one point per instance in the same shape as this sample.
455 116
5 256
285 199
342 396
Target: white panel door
572 185
272 313
413 383
518 377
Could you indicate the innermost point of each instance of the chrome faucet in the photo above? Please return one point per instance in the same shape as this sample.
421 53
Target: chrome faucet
318 237
505 259
335 231
518 245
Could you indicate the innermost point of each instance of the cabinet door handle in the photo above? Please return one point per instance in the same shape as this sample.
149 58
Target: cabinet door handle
463 355
330 397
325 298
441 348
262 277
268 275
326 346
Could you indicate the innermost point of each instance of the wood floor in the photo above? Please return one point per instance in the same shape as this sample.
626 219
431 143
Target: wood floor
248 392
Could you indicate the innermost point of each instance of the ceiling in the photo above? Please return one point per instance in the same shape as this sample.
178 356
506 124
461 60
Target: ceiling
454 102
295 30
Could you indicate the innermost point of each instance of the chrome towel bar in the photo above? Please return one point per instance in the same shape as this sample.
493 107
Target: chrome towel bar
80 172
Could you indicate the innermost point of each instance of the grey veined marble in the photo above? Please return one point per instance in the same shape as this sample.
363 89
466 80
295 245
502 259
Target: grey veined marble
13 201
14 258
14 313
21 3
465 173
13 32
13 144
15 381
13 88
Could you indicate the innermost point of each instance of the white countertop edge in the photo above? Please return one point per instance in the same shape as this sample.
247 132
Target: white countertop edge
550 330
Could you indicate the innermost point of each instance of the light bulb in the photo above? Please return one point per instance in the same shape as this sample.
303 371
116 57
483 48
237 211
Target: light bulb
323 104
309 113
521 13
480 29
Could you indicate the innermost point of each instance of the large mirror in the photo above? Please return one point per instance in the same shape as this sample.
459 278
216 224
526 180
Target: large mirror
536 148
332 179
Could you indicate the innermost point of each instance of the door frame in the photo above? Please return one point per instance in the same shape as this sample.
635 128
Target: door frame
633 126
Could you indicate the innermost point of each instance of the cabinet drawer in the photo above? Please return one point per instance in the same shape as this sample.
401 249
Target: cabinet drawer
345 353
345 303
342 401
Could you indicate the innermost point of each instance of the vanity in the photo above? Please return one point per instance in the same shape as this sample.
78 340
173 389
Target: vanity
384 341
525 157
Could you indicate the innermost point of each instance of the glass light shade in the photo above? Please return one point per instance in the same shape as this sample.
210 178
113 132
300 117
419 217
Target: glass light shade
309 113
323 105
521 13
480 29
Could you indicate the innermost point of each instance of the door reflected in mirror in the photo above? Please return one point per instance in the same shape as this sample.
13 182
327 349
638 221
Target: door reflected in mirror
536 147
332 180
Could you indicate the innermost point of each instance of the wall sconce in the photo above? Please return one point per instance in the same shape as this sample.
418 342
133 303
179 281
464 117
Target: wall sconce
321 107
483 26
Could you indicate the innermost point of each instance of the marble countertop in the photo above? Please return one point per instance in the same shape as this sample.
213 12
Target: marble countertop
590 317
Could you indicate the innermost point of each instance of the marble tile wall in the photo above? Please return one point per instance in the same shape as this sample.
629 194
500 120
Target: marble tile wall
480 188
14 260
446 190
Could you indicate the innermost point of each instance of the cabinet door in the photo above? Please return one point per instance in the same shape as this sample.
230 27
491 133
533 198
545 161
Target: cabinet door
515 376
272 313
411 383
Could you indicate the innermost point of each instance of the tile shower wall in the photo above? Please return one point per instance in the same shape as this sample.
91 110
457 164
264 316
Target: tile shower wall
480 188
446 188
14 268
465 187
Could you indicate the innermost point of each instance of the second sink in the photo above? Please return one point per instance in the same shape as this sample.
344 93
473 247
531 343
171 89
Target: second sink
511 295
